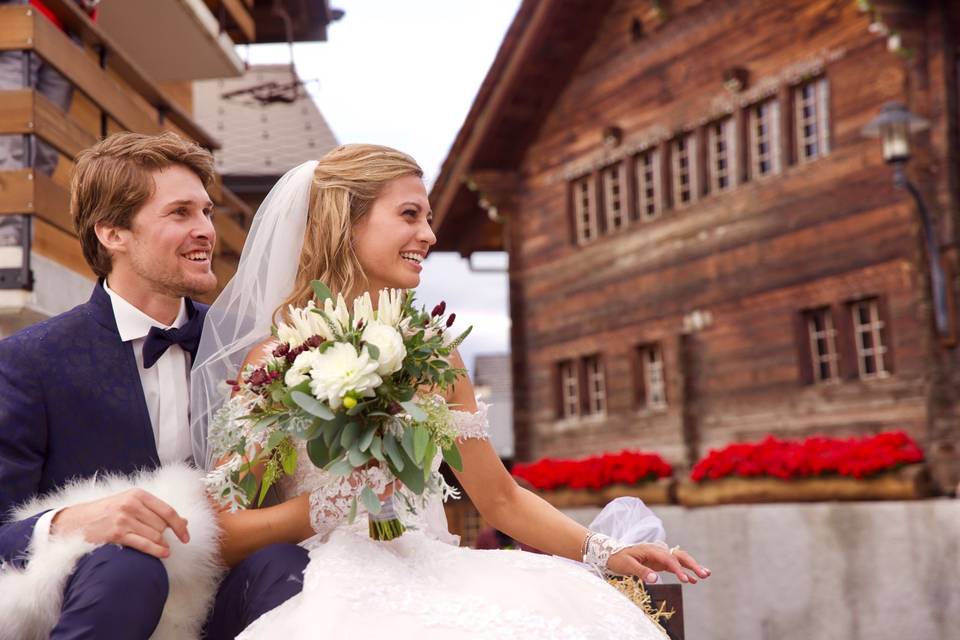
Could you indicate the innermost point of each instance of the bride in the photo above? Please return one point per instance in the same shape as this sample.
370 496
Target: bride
359 220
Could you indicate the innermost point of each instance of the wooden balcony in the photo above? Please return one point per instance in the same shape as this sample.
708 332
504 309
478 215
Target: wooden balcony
110 94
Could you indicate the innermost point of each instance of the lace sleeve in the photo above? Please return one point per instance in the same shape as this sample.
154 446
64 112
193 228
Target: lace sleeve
472 425
332 496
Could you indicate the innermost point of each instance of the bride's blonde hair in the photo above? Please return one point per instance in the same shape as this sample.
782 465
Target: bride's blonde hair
346 182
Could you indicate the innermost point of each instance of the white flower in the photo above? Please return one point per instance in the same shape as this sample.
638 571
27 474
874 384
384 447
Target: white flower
362 310
304 324
390 306
340 370
300 369
390 344
338 313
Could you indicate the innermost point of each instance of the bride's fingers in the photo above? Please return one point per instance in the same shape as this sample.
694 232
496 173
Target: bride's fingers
665 559
637 568
690 562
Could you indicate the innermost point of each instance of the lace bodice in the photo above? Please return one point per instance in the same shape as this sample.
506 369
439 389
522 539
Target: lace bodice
331 496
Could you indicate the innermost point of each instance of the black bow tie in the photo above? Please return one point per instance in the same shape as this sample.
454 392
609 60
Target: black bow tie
159 340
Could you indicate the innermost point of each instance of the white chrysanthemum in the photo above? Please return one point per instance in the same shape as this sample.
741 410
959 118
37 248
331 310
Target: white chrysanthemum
363 310
338 313
300 369
340 370
390 306
390 344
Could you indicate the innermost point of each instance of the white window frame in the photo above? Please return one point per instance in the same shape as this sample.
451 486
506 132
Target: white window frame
654 380
874 328
649 183
615 207
723 132
585 209
569 389
596 385
766 114
812 109
828 334
684 148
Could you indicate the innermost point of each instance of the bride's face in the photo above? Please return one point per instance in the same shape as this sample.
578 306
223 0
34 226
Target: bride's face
394 237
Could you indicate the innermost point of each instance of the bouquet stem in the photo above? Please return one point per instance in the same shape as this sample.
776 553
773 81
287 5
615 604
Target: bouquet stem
386 525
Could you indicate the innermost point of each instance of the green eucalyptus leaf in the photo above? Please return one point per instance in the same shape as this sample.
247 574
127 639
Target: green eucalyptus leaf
367 438
429 454
311 405
418 414
452 457
321 291
393 451
349 435
421 438
275 438
376 448
370 500
411 475
407 443
340 467
373 350
318 452
353 510
358 458
249 487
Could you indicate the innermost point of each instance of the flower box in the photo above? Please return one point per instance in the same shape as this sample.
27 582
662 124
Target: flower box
886 466
597 480
651 492
906 483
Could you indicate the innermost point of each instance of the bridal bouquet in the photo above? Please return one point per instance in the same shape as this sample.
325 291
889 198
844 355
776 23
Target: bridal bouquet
347 383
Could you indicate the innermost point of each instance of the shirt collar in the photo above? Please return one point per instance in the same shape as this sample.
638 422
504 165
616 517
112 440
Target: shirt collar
133 324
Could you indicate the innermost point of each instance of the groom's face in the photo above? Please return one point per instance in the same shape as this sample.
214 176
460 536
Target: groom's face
169 245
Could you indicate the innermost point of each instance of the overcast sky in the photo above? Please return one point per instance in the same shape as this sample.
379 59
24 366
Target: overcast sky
404 74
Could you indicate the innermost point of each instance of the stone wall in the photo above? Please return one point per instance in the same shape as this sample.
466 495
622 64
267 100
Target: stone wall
826 571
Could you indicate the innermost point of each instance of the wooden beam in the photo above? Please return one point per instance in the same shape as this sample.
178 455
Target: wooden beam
230 234
25 191
528 40
24 111
60 246
239 13
118 61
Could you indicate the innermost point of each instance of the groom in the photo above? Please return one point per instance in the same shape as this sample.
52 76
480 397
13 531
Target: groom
104 388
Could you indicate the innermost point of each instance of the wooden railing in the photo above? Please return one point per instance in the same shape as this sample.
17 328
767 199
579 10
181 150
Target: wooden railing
124 97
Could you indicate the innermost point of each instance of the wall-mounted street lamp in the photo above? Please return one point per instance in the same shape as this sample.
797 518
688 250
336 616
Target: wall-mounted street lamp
893 126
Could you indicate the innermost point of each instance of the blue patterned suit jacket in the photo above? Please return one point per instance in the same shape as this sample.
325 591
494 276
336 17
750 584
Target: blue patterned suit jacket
71 405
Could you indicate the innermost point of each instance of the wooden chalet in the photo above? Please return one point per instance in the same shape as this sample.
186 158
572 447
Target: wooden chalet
132 68
703 246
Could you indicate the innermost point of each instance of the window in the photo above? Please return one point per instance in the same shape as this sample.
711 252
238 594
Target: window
684 155
596 386
764 138
653 388
721 155
649 189
614 196
823 345
868 333
569 389
585 209
811 114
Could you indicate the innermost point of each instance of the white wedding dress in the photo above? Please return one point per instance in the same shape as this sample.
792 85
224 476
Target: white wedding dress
421 586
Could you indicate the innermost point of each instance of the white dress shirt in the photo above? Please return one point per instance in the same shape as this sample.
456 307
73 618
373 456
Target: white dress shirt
166 389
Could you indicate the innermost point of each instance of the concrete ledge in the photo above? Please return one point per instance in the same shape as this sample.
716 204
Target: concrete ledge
822 571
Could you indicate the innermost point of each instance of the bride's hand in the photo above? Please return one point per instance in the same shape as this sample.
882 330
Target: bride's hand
643 560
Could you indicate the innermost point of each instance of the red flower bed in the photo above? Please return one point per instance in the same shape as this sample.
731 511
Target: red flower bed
815 456
596 472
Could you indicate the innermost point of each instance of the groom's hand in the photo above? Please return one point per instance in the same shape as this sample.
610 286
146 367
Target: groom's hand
134 519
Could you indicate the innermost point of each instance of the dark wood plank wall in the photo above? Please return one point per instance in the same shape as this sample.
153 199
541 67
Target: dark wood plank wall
822 233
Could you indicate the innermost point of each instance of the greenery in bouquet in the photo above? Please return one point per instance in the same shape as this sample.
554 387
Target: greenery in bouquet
359 387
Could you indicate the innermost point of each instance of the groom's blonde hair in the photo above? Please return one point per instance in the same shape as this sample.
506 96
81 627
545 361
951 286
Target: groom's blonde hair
346 182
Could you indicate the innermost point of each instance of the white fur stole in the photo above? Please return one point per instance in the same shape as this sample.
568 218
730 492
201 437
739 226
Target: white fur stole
32 597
